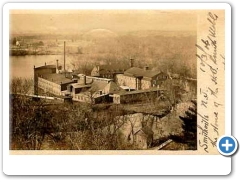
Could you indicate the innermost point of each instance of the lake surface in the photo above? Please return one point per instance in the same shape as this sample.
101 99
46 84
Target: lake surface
22 66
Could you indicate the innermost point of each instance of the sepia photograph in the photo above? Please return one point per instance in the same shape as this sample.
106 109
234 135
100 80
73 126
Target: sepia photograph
103 79
88 87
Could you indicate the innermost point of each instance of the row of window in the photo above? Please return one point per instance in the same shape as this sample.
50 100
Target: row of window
82 98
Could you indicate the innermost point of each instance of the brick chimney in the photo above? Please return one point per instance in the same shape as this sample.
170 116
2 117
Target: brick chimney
131 62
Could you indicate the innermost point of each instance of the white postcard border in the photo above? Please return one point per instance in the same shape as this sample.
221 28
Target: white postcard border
114 164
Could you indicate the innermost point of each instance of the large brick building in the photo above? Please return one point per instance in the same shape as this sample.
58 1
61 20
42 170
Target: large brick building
46 78
54 83
137 78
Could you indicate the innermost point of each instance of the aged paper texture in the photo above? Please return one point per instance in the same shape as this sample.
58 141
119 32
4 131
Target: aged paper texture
116 81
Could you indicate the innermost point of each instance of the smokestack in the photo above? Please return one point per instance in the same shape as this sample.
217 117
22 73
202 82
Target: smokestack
64 69
45 63
35 81
131 62
64 60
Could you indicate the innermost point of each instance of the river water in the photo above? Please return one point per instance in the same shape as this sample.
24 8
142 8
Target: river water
22 66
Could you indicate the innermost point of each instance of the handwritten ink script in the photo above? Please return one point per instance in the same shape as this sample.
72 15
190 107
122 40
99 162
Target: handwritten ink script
209 59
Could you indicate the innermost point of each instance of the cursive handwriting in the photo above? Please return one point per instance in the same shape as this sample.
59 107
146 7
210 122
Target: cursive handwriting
208 57
203 131
208 49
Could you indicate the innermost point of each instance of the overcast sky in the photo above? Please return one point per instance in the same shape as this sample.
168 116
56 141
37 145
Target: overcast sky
74 21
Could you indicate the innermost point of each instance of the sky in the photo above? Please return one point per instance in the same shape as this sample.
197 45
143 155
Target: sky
76 21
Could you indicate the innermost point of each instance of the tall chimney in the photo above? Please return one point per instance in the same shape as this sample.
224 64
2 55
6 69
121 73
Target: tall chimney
64 58
35 81
131 62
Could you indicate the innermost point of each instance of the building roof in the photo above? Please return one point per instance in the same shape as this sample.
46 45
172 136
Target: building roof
107 70
57 78
106 87
136 72
111 88
80 85
47 67
98 85
139 91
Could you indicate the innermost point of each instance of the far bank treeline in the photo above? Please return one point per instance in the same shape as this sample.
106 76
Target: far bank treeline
172 51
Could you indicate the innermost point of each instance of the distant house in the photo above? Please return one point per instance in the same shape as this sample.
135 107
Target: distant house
137 78
106 71
18 43
143 138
